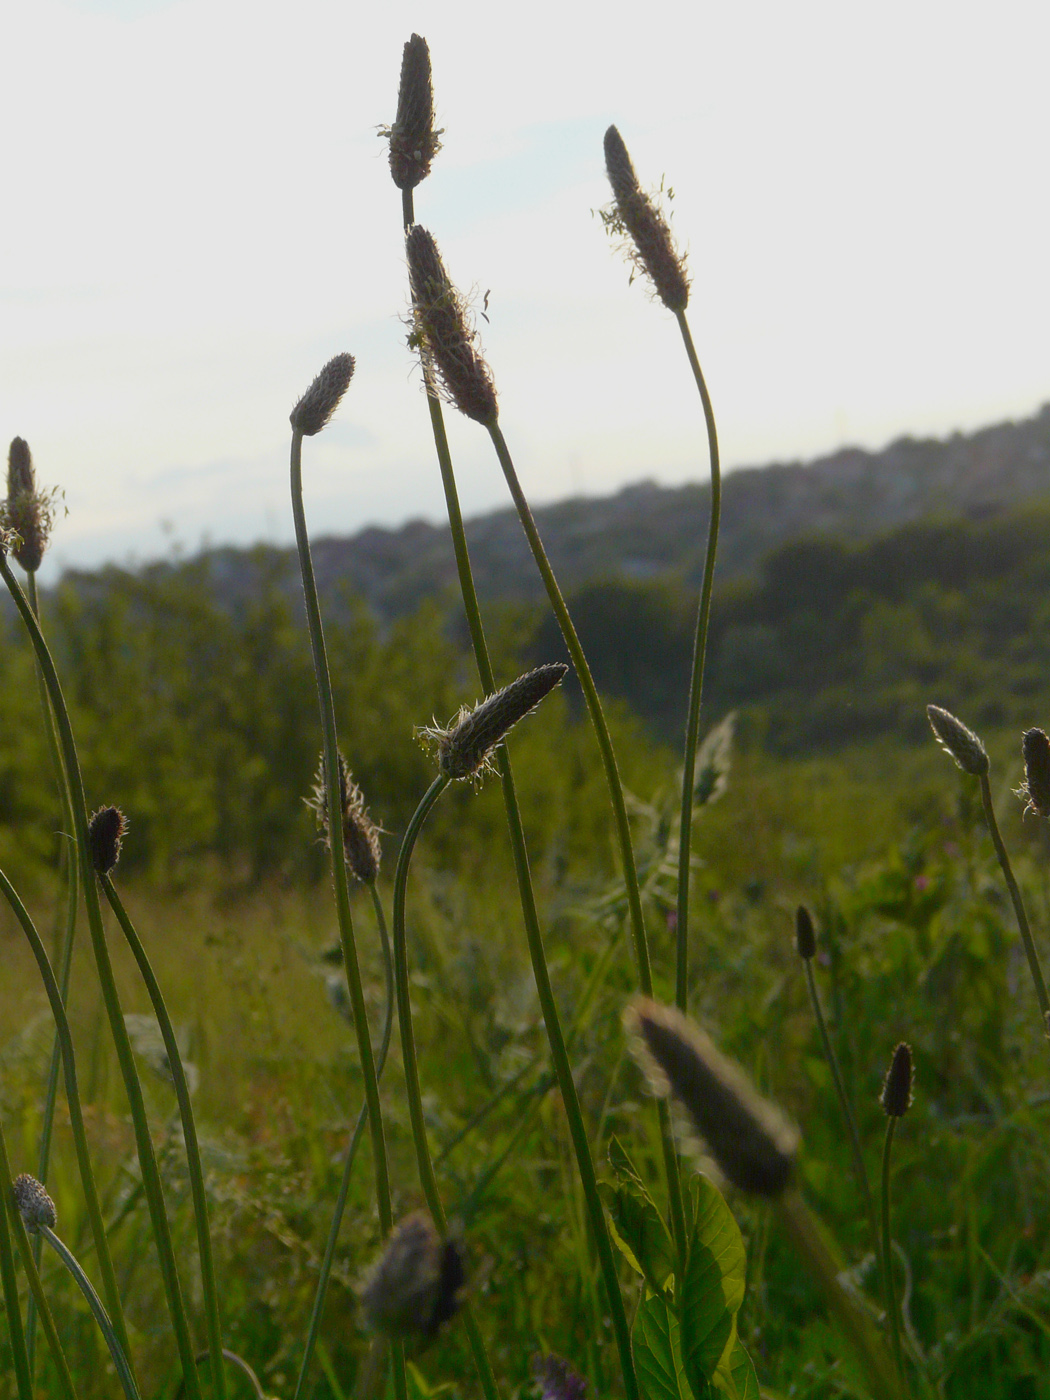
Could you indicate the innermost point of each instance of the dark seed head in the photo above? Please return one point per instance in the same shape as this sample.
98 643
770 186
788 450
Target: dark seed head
414 1285
747 1138
414 142
28 512
652 247
896 1089
445 338
34 1204
106 831
465 747
314 410
360 833
1035 747
805 936
962 743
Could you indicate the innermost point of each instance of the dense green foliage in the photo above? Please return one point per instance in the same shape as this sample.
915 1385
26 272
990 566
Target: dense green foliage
835 642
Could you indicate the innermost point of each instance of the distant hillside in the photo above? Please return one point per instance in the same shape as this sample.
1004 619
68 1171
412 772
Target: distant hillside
648 531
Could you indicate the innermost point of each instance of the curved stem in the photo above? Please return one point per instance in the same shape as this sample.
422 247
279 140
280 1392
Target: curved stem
696 682
892 1310
335 827
351 1152
1018 903
120 1361
189 1135
859 1169
118 1030
619 806
76 1116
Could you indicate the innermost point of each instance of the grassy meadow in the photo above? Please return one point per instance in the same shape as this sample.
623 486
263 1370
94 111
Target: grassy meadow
527 1197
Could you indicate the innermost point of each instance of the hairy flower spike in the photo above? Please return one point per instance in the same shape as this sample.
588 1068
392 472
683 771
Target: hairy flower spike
28 512
805 935
635 214
314 410
35 1206
414 142
748 1139
464 748
896 1090
443 334
962 743
360 833
556 1378
106 831
1035 746
414 1285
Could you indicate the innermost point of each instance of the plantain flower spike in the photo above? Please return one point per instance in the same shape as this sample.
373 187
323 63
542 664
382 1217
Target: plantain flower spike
464 749
746 1138
962 743
805 934
445 338
414 141
896 1090
106 831
27 511
35 1206
314 410
1035 746
414 1285
360 833
652 248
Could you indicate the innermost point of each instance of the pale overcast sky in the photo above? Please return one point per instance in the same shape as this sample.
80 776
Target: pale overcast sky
198 214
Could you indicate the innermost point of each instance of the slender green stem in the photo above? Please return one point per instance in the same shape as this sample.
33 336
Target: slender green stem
118 1030
351 1152
68 866
189 1135
892 1309
427 1178
855 1326
241 1365
696 681
619 806
9 1279
76 1116
65 1378
120 1361
1018 903
859 1169
335 826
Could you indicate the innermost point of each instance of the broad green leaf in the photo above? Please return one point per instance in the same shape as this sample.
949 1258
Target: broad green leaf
736 1376
639 1229
713 1287
657 1359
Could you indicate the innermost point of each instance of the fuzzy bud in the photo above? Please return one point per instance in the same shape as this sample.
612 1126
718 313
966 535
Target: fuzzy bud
414 1285
35 1206
962 743
556 1378
106 831
747 1138
1035 746
653 249
28 512
446 339
896 1089
414 142
805 936
464 748
314 410
360 833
